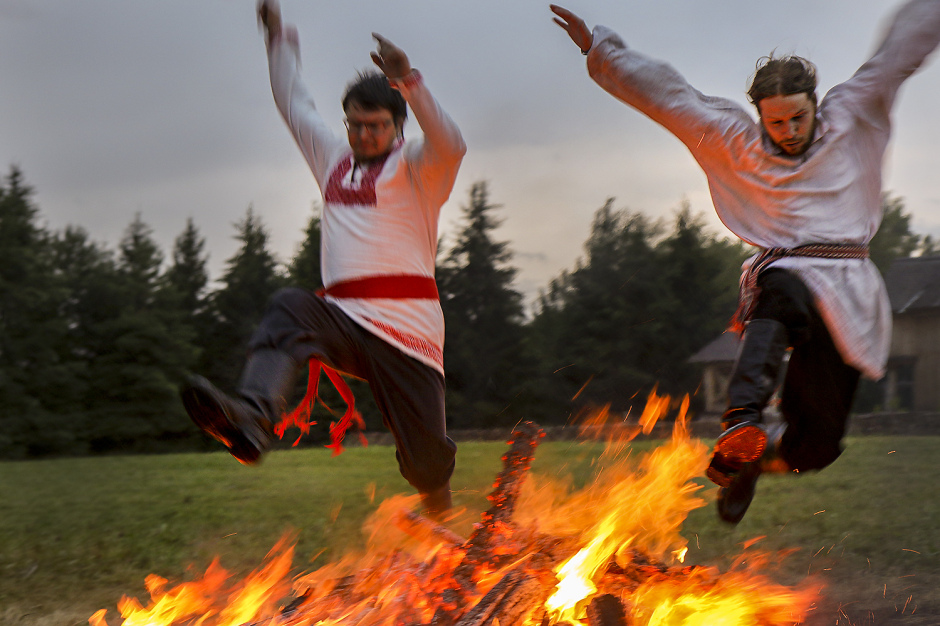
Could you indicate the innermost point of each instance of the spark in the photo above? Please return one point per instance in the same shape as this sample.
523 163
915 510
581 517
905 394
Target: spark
909 598
587 382
909 550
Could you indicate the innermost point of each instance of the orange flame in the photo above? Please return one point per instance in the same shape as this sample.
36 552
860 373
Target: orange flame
632 511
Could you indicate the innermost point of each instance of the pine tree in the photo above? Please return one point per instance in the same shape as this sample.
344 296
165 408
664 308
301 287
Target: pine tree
148 349
30 326
251 277
187 278
304 269
483 318
610 312
632 312
894 237
700 272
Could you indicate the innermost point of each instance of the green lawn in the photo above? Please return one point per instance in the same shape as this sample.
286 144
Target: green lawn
76 534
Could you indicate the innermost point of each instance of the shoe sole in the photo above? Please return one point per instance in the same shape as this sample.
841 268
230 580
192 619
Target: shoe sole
213 421
741 444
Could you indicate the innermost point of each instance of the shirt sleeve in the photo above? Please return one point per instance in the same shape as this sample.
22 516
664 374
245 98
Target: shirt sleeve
316 141
912 35
657 90
436 158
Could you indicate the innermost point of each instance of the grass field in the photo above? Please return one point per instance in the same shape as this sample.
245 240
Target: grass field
76 534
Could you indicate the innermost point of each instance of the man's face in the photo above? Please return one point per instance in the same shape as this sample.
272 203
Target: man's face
789 121
372 132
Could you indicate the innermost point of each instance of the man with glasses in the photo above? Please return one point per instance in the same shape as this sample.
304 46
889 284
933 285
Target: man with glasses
379 317
804 185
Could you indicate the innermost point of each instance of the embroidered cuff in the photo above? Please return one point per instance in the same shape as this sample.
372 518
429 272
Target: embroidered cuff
407 81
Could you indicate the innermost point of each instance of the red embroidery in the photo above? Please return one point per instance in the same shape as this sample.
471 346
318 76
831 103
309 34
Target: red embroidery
407 81
362 194
417 344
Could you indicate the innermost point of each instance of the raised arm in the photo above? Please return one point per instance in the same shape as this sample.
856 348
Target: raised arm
439 155
652 87
912 35
314 138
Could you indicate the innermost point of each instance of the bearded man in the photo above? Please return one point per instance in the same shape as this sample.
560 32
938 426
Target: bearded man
803 184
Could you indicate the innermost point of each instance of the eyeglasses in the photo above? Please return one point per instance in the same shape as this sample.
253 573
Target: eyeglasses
373 128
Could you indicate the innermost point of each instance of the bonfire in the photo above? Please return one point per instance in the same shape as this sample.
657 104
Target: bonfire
543 554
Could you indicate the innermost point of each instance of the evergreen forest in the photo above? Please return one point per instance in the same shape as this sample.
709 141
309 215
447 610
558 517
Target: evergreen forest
95 341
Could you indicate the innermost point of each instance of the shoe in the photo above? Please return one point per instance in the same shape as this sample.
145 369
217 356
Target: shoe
736 497
742 442
239 426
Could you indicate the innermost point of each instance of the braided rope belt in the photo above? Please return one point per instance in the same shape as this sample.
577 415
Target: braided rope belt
747 298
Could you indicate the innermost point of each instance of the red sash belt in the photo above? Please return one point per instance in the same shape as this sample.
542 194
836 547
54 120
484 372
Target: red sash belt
385 286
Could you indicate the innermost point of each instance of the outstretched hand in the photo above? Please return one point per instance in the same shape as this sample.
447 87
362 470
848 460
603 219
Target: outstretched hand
391 59
575 27
269 15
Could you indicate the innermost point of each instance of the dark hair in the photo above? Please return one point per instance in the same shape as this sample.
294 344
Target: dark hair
371 91
782 76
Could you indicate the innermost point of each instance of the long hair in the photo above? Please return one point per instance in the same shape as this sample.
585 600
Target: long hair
782 76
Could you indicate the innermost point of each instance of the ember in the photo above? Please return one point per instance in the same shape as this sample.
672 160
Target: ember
609 554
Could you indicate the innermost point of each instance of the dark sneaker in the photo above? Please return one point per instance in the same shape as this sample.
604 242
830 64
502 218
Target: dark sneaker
240 427
734 500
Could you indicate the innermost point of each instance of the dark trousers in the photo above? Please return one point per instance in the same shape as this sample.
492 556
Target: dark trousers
409 394
819 386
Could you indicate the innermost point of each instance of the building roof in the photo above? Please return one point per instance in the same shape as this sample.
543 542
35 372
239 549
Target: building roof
914 284
724 348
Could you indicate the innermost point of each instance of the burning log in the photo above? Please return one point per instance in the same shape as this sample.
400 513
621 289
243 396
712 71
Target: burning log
607 610
491 543
576 572
518 595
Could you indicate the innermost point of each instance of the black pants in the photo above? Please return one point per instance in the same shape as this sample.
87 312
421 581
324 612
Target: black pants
819 386
409 393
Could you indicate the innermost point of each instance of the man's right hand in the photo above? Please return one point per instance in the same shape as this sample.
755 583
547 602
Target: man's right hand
575 27
269 14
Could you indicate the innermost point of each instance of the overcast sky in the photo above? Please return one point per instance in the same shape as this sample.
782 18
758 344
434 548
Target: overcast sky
163 107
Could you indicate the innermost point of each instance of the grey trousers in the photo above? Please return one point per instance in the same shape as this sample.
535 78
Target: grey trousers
409 394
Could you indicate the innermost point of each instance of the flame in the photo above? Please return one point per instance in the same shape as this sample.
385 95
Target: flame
206 601
619 534
625 506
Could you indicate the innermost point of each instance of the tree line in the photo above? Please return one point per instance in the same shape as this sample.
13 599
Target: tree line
94 342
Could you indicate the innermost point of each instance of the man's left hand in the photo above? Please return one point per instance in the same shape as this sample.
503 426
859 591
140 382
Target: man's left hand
391 59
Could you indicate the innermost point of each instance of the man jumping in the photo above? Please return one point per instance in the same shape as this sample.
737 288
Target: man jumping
379 317
804 185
